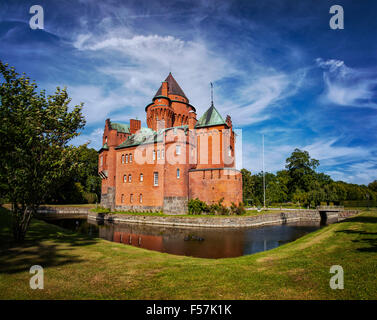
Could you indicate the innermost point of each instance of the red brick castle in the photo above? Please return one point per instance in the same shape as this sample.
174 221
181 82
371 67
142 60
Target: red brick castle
174 159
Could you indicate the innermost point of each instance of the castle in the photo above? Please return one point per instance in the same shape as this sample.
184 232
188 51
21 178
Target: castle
174 159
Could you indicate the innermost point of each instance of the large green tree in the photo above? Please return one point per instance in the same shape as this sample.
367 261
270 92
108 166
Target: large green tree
34 130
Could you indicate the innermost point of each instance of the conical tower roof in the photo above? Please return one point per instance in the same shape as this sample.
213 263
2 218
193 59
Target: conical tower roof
173 87
210 118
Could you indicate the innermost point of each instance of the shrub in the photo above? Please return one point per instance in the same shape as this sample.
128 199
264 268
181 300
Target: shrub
196 206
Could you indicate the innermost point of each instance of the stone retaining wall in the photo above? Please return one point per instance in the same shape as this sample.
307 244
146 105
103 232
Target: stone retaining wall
214 222
202 221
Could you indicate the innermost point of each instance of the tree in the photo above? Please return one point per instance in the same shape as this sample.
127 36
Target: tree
34 131
373 186
301 168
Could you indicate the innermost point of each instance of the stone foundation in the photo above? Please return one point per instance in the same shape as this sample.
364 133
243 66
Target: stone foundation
175 205
139 208
108 199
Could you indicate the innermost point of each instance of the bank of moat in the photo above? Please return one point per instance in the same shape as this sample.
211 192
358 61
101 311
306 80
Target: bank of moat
174 159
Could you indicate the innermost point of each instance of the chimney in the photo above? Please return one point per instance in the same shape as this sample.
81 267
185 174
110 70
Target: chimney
228 121
192 120
164 91
135 125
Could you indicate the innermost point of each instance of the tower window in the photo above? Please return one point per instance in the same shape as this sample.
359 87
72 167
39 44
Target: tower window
162 154
178 173
158 154
178 149
154 155
141 177
155 178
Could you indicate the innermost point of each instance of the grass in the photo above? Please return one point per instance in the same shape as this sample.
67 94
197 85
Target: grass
80 267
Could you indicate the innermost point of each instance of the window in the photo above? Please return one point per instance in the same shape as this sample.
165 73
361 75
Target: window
126 158
131 198
125 178
141 198
130 157
129 178
154 155
122 199
175 131
155 178
229 151
158 154
141 177
178 149
178 173
122 158
162 154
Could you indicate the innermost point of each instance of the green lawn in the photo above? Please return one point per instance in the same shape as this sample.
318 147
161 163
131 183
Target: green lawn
79 267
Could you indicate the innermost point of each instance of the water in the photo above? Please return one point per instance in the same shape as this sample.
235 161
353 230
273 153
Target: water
195 242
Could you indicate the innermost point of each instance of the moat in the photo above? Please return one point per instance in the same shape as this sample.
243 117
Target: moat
196 242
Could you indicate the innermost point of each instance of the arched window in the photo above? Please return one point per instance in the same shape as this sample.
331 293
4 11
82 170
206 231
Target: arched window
178 173
126 158
178 149
131 197
229 151
141 177
130 157
122 199
125 178
141 198
129 178
122 158
154 155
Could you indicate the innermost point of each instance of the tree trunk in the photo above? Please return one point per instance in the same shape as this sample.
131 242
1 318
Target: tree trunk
21 221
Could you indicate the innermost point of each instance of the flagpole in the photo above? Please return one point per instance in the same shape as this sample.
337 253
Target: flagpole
264 179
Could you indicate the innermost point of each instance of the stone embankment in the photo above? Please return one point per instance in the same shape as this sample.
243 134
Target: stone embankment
196 221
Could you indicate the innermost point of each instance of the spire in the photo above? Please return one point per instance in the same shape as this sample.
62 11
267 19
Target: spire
211 94
173 87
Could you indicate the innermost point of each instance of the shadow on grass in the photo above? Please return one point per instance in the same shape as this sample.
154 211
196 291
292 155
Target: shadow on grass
371 242
45 245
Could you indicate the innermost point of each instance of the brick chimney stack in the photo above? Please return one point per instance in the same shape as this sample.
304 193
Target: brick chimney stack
164 91
135 126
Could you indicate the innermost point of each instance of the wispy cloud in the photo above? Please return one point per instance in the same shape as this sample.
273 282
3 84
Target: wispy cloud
347 86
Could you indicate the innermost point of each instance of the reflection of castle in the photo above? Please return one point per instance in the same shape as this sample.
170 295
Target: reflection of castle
174 159
216 243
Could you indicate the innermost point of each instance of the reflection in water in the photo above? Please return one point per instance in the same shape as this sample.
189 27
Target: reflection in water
196 242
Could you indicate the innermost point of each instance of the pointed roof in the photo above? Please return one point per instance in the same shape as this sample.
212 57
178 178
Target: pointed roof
173 87
210 118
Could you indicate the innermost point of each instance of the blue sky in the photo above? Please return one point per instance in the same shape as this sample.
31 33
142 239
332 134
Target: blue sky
277 68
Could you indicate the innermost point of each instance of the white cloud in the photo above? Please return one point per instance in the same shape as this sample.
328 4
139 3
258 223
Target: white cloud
332 157
347 86
94 139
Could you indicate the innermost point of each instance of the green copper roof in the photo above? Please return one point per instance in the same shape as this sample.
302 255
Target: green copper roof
120 127
210 118
143 136
147 136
